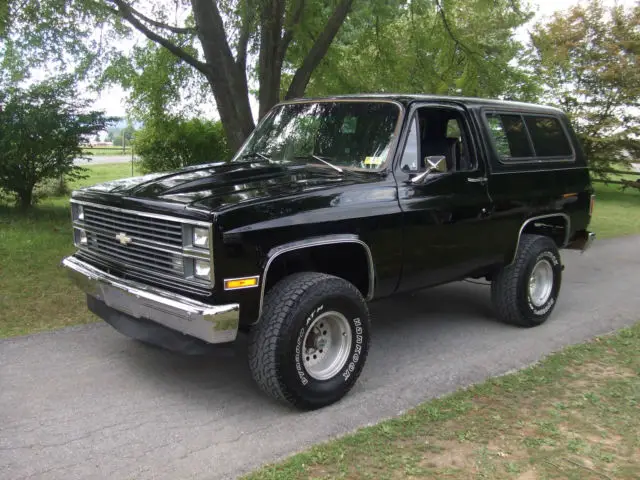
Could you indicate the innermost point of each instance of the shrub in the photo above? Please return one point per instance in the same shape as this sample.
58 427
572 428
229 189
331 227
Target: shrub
41 128
172 143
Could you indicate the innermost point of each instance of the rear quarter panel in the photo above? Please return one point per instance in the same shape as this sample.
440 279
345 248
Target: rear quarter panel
527 189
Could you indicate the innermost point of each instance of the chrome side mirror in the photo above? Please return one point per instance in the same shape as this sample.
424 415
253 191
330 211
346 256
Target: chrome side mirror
436 163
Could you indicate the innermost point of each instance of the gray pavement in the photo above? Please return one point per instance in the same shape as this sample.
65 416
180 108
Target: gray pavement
96 159
86 402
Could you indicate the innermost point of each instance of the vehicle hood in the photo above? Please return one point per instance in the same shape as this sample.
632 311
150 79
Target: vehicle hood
218 186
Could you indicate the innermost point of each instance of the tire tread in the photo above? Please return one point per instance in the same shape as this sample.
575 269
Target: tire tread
275 325
504 287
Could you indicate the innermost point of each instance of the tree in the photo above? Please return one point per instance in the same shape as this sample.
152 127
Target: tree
226 33
40 132
453 47
172 142
277 44
587 58
121 136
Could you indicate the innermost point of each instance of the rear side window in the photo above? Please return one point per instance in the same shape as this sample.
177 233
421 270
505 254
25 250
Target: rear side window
509 135
549 139
523 137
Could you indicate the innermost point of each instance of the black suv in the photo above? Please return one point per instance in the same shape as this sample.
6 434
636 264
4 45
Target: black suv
329 204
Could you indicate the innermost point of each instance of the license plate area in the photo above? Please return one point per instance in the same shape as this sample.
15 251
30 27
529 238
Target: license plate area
119 300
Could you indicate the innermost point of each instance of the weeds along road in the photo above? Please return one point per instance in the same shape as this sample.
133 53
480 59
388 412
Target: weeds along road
86 402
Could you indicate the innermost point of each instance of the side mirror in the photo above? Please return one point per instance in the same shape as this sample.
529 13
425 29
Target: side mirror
436 163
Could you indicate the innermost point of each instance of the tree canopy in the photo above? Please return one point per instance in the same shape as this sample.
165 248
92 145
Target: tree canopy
454 47
587 61
275 45
213 37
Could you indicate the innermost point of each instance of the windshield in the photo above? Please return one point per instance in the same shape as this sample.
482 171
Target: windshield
346 134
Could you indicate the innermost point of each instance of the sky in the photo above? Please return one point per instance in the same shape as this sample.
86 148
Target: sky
112 101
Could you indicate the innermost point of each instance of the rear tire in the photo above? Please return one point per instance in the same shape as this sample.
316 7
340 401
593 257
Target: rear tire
526 292
312 340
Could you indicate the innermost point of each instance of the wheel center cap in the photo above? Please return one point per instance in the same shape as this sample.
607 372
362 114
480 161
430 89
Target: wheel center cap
321 342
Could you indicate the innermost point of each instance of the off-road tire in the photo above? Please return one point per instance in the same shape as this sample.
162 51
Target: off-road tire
510 286
275 343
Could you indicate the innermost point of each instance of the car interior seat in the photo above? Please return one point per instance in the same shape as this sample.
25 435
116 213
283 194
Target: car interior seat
434 140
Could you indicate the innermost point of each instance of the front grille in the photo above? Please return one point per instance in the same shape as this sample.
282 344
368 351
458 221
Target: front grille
154 248
167 232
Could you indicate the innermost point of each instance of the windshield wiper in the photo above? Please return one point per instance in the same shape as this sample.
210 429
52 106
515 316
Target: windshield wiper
320 159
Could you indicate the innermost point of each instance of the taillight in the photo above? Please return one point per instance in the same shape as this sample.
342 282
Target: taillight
591 204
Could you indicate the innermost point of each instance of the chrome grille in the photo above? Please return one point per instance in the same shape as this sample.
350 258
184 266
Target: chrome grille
143 228
156 249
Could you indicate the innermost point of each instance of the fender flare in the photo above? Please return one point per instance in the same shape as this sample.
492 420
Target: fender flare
567 233
275 252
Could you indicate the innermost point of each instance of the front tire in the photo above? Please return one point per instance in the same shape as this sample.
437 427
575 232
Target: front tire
526 292
312 340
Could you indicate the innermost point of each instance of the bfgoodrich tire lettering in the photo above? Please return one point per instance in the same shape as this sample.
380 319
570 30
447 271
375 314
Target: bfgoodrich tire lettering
514 294
277 351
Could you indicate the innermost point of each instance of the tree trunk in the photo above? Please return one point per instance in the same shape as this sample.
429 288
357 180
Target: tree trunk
25 198
226 75
270 61
235 113
318 50
228 81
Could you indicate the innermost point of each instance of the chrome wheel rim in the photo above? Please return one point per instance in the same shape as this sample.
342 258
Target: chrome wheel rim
541 283
327 344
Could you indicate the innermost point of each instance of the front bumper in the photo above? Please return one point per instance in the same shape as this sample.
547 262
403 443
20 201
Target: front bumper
210 323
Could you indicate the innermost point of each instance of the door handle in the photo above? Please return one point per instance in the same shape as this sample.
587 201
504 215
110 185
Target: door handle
476 179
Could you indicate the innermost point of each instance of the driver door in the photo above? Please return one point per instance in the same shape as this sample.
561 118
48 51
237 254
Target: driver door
445 215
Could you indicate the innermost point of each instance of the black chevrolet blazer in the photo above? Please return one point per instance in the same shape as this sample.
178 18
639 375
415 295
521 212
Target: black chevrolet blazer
329 204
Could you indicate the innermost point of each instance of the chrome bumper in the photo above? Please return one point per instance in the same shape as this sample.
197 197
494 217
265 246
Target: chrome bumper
582 240
211 323
590 239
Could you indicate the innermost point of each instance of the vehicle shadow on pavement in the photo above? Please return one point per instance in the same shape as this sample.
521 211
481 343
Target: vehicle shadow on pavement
401 324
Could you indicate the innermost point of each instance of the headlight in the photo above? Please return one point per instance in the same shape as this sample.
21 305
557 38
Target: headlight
202 269
201 237
79 237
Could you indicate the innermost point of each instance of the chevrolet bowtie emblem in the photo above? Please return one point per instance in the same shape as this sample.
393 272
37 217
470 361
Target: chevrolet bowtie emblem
123 238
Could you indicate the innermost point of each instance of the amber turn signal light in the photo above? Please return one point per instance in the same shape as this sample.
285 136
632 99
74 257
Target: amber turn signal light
235 283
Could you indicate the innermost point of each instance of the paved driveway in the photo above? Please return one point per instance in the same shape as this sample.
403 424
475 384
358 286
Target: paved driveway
87 402
99 159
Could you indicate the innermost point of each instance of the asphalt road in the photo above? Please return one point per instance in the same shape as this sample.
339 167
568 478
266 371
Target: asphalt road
98 159
87 402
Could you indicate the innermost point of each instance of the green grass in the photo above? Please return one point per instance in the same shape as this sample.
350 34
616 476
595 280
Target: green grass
576 415
104 172
616 213
35 294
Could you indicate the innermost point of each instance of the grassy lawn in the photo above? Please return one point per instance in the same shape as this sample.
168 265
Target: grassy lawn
616 213
35 294
576 415
104 172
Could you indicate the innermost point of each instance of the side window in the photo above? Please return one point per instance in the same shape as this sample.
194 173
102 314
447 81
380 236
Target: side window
410 154
463 157
549 139
509 136
435 132
499 136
